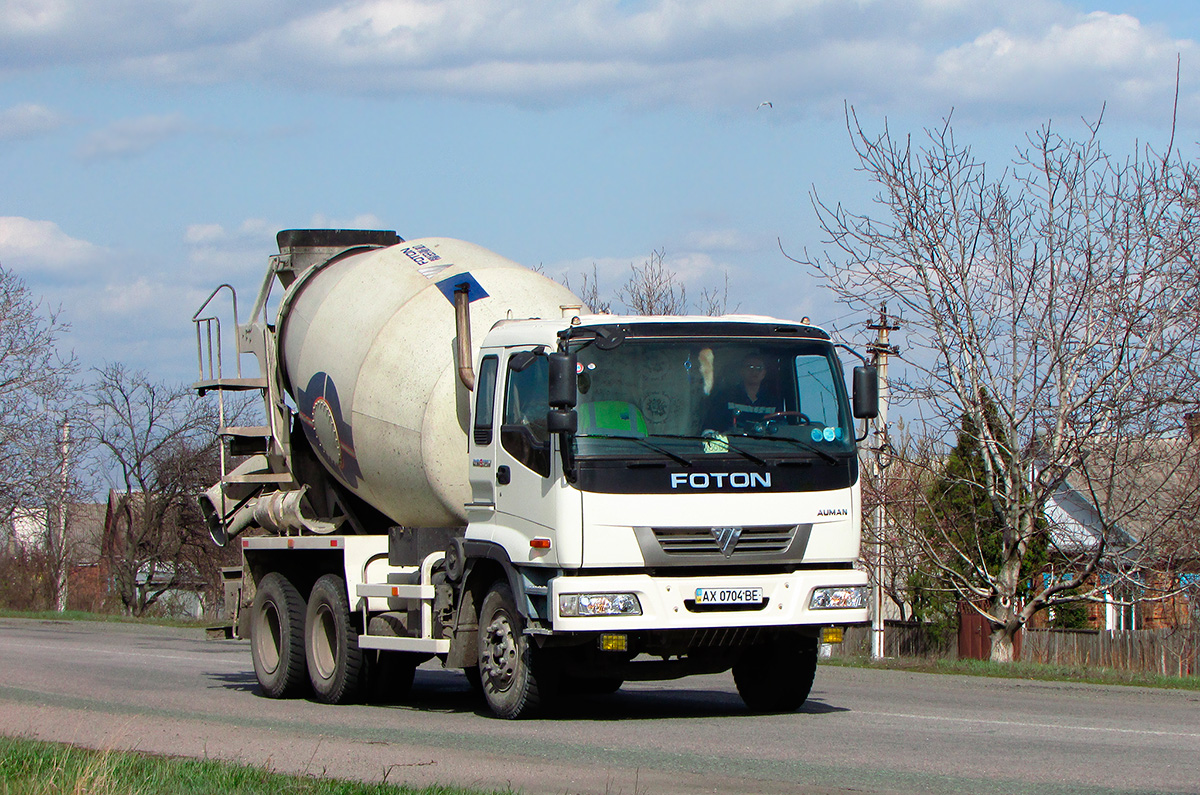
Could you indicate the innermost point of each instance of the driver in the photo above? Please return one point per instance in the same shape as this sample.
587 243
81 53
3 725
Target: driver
747 401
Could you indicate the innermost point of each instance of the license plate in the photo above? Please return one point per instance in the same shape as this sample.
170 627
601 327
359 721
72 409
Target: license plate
729 596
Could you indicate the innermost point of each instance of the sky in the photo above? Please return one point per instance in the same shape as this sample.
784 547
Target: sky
151 149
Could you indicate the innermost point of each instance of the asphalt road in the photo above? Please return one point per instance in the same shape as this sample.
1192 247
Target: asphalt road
172 691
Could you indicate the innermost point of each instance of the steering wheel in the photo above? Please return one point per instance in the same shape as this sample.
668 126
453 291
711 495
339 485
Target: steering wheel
798 414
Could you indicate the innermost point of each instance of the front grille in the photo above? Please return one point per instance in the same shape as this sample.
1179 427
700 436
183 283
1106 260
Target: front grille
726 637
693 607
683 541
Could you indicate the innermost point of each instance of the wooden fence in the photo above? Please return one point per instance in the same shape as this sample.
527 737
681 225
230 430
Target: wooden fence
900 639
1161 651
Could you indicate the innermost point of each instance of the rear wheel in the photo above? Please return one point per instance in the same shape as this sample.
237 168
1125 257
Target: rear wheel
516 679
779 676
277 637
335 663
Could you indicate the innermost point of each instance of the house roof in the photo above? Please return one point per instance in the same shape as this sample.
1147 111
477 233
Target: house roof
1132 488
85 529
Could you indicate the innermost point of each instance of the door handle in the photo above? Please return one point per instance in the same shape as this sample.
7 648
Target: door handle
503 475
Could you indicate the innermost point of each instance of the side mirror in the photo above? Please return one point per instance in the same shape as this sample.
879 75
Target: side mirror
562 421
866 392
562 380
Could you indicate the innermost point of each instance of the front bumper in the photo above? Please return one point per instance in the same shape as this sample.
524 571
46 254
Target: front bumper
669 602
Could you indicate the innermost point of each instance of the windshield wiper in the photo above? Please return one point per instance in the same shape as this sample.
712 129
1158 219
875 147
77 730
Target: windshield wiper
656 448
722 439
803 445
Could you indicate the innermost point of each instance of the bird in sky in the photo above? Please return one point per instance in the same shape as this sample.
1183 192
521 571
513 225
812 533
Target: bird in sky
764 105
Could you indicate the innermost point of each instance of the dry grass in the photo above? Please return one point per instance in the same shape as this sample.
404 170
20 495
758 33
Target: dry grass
31 767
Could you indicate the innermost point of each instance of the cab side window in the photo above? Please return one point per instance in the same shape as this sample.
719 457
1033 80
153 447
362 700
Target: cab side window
485 398
526 403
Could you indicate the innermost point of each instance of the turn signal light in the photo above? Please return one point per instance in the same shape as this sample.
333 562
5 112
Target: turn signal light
614 641
831 635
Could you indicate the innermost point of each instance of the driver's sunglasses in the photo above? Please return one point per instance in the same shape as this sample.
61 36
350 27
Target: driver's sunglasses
755 367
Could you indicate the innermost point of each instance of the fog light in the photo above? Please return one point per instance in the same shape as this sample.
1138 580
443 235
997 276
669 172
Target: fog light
614 641
846 597
831 635
573 605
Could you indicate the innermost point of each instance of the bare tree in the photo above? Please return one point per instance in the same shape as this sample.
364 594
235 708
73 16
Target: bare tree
34 390
897 488
715 303
1053 306
589 292
653 288
157 447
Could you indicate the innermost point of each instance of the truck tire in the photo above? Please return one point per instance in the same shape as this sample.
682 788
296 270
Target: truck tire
335 663
277 637
517 680
779 676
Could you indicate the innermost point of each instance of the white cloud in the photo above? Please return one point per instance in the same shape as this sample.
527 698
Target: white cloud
27 120
1097 56
981 56
205 233
129 137
34 16
216 254
27 245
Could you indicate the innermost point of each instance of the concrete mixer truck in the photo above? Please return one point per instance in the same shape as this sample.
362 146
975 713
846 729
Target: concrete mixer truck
457 461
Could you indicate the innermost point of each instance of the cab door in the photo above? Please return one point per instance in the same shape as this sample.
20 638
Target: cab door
483 441
524 493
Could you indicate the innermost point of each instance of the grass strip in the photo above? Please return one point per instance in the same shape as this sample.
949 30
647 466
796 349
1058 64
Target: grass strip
1022 670
116 618
34 767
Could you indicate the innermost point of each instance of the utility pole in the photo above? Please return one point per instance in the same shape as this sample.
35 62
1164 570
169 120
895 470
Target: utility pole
61 550
880 349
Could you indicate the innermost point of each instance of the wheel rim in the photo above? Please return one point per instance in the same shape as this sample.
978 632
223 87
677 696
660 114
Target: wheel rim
324 642
268 637
499 663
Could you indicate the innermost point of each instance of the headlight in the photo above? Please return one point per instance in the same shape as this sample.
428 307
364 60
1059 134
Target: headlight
599 604
844 597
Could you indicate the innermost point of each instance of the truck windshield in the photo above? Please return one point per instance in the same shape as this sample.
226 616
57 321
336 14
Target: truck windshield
693 397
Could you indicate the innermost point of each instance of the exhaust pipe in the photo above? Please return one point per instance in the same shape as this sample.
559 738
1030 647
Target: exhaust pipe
462 335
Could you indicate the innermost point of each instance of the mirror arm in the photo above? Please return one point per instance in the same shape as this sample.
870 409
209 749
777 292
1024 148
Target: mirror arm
852 352
566 451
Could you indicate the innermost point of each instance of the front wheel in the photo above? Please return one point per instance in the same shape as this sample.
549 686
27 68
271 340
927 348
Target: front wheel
277 637
777 677
335 663
516 679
